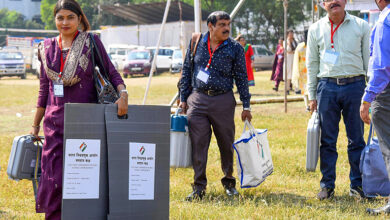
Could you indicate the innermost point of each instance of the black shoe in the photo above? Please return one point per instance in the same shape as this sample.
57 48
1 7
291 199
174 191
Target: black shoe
298 92
357 192
231 191
196 195
385 209
325 193
275 88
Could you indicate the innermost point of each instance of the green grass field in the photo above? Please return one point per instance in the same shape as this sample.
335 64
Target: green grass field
289 193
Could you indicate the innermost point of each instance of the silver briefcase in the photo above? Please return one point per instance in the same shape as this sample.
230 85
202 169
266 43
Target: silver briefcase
313 142
25 156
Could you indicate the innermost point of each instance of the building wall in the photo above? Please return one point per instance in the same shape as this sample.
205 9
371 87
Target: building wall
147 35
29 8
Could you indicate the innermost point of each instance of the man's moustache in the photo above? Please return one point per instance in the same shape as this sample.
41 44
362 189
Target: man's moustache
226 32
335 5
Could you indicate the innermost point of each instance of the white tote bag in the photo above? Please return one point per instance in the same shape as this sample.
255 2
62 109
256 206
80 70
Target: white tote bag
254 162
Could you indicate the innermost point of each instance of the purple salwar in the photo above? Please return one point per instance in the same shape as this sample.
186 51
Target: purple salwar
50 185
277 68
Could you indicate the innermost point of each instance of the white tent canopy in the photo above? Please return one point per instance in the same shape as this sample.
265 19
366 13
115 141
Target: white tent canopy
357 5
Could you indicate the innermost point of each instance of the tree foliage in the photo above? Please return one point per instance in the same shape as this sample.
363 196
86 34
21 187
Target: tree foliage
47 7
91 9
262 21
14 19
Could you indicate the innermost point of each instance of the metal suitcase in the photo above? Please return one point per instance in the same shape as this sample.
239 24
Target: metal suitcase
313 142
23 158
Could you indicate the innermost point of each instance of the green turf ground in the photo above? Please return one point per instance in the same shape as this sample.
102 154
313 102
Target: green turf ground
289 193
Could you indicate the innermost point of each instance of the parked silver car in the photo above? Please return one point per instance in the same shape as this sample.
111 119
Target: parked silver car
12 64
263 58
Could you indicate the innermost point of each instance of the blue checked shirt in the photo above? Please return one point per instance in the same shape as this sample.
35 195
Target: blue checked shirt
228 64
379 66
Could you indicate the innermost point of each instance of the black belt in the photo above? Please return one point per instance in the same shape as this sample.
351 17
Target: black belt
343 81
211 92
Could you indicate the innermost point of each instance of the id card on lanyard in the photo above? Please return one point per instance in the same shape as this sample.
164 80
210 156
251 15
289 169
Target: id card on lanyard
204 74
58 85
331 56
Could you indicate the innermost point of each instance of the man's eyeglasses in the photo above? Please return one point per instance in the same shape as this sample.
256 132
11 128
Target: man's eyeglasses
329 0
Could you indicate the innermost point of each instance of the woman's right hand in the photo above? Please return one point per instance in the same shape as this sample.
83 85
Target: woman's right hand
35 131
37 121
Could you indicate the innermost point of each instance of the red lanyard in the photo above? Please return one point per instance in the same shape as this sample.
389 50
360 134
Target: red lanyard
333 31
211 54
62 57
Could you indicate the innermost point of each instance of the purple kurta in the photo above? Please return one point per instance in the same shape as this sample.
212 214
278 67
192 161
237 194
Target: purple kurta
83 91
277 69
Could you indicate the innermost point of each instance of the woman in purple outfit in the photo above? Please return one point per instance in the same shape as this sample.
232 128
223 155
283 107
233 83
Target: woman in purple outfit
277 68
66 77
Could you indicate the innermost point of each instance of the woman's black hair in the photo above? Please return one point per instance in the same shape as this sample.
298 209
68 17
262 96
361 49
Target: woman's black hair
73 6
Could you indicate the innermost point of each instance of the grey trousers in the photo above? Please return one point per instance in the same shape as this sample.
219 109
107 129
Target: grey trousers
203 113
380 109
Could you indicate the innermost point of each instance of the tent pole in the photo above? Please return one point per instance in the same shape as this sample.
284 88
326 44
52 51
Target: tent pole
197 15
197 24
153 68
235 10
285 4
312 10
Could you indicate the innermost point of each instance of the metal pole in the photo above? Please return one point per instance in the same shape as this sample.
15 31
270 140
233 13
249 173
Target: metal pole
197 15
153 68
318 10
173 100
28 30
235 10
138 34
181 32
312 10
285 5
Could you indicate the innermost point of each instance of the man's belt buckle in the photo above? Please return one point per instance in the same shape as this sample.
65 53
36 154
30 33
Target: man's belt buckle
340 81
210 92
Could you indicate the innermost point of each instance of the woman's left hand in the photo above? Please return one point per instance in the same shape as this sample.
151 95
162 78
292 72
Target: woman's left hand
122 103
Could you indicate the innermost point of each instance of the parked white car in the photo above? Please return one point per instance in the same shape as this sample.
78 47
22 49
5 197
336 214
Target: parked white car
164 57
177 61
35 64
114 62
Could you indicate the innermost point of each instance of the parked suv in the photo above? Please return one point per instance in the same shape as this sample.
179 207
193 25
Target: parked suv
12 64
164 57
138 62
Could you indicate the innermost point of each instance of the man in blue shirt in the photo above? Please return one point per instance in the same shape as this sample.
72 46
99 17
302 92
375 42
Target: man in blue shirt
377 93
207 97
